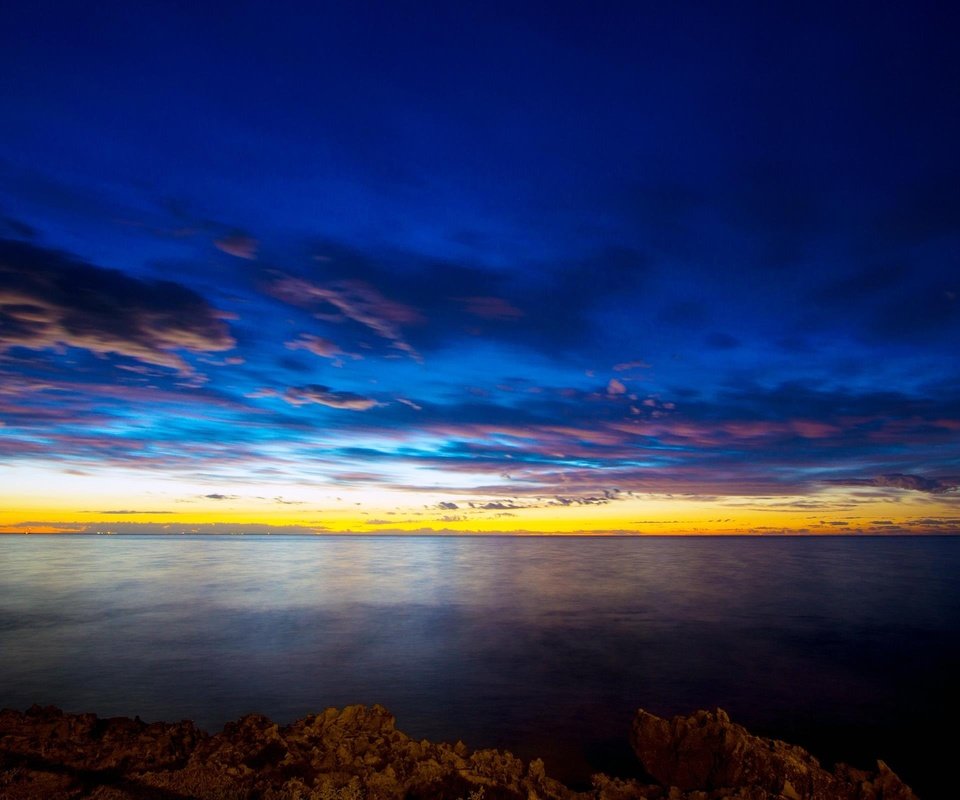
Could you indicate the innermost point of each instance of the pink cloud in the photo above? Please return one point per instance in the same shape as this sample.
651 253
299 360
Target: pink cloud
316 345
324 348
264 392
615 387
324 396
238 245
357 301
813 429
628 365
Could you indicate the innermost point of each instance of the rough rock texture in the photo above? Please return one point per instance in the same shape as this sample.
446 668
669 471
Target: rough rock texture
358 754
707 751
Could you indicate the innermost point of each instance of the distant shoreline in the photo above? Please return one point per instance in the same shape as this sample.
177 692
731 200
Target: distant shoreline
486 535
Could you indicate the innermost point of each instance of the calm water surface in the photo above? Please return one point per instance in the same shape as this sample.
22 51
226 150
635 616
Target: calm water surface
850 647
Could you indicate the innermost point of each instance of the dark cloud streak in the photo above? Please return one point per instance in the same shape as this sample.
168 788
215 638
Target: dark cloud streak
49 300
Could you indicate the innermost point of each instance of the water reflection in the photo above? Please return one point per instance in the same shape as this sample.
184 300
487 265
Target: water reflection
543 646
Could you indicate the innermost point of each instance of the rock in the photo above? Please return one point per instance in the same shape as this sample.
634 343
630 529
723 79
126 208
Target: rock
357 753
84 741
708 752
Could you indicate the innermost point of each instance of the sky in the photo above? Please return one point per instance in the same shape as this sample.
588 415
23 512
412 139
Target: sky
479 267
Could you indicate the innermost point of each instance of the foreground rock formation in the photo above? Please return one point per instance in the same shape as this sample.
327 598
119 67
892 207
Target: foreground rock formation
358 754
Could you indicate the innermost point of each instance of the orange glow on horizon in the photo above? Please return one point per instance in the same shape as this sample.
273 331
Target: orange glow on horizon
90 503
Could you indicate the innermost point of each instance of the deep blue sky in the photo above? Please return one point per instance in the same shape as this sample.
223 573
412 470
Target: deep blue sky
543 258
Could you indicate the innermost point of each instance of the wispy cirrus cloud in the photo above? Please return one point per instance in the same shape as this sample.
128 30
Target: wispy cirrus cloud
353 300
428 303
787 440
625 366
239 245
322 347
324 396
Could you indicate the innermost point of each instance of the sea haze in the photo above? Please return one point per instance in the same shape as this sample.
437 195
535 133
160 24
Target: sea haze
542 646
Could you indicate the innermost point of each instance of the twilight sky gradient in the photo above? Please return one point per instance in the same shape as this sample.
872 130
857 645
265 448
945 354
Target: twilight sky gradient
641 267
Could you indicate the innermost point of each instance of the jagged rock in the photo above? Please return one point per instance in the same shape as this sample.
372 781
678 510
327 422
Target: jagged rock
84 741
707 752
357 753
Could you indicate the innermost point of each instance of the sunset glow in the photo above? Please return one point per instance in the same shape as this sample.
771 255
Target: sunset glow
518 294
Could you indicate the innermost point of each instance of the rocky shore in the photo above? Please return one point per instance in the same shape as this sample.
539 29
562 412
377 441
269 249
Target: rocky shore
357 753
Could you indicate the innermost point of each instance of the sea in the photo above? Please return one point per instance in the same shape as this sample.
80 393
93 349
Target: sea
543 646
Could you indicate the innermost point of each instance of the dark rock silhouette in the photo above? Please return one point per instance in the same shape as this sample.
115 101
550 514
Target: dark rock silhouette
706 751
358 754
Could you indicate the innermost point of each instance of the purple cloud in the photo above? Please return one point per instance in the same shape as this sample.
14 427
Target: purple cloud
914 483
322 347
615 387
354 300
324 396
238 245
628 365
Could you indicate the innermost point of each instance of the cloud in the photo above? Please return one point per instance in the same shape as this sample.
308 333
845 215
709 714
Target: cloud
49 300
749 439
264 391
17 228
914 483
892 302
177 528
421 304
125 511
628 365
324 396
354 300
495 308
319 346
615 387
239 245
608 496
